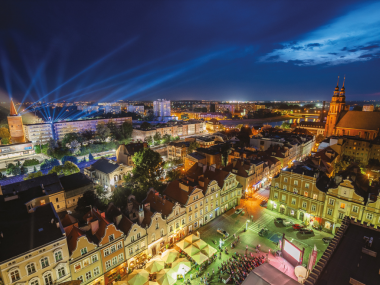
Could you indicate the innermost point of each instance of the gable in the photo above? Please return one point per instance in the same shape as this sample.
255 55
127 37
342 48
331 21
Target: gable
110 230
82 242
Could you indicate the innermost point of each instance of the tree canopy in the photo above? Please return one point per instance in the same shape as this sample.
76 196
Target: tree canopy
102 131
193 146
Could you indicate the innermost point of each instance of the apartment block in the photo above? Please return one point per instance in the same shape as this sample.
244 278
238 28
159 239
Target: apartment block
38 133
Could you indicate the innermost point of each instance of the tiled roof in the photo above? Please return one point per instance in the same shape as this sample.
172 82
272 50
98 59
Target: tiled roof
113 213
74 181
73 233
159 204
176 193
359 120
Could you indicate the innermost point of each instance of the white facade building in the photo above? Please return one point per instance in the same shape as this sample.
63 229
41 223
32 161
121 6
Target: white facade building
38 133
161 108
136 109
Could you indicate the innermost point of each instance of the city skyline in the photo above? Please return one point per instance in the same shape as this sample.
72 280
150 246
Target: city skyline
135 51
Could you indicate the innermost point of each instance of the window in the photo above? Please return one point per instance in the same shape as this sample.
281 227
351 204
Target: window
61 272
56 200
315 196
108 264
313 208
201 203
113 249
162 232
83 251
130 251
369 216
342 205
329 212
304 204
177 225
216 195
143 244
106 251
183 221
341 216
111 237
77 267
121 256
170 228
190 209
295 182
283 197
34 281
331 202
31 268
196 206
276 185
306 194
119 245
189 218
48 279
44 262
201 212
285 187
58 256
114 260
293 201
88 275
138 235
86 262
96 271
156 226
355 209
295 190
15 275
206 200
285 180
153 237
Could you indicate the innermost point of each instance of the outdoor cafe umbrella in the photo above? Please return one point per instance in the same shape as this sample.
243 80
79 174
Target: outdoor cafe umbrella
192 238
183 244
164 277
200 244
170 255
138 277
151 283
208 250
199 257
191 250
155 265
181 266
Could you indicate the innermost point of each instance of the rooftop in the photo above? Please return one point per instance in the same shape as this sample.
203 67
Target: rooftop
40 228
104 165
74 181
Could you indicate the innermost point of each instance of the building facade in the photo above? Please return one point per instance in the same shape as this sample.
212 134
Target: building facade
38 133
161 108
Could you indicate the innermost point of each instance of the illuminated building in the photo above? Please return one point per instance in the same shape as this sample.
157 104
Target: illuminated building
16 128
38 133
161 108
125 152
340 121
136 109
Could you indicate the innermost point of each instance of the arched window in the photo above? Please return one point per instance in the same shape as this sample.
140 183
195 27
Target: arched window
44 262
58 255
14 275
34 281
48 279
31 268
153 237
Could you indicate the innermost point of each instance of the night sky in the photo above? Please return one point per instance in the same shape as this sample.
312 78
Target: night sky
212 50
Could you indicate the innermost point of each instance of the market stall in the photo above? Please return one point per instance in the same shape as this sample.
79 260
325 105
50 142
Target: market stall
138 277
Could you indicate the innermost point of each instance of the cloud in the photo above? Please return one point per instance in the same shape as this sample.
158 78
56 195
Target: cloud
350 38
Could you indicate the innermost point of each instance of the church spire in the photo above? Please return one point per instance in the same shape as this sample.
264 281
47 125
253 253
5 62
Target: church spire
343 90
336 92
13 111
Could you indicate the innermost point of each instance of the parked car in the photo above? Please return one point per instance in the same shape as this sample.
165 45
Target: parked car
238 211
298 227
263 232
279 220
264 204
306 232
287 223
223 232
327 239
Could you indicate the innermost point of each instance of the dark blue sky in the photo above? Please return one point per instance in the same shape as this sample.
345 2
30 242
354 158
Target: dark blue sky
213 50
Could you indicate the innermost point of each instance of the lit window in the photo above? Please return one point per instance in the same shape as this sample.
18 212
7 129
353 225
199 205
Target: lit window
342 205
15 275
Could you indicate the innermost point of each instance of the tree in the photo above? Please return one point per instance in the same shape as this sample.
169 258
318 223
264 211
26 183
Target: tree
126 130
225 151
73 159
165 138
31 162
90 157
147 171
149 140
5 141
74 147
10 170
67 169
33 175
51 146
23 170
192 146
176 138
88 135
120 196
285 125
157 138
173 174
102 131
145 126
88 200
4 134
2 176
115 131
70 137
49 163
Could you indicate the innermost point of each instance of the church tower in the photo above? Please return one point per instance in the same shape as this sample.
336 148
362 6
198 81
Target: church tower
16 128
337 105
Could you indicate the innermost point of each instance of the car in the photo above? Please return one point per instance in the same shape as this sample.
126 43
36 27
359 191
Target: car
223 232
327 239
306 232
279 220
264 204
263 232
287 223
298 227
238 211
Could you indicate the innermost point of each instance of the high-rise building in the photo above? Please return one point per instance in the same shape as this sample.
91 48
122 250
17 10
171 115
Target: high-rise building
161 108
16 128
